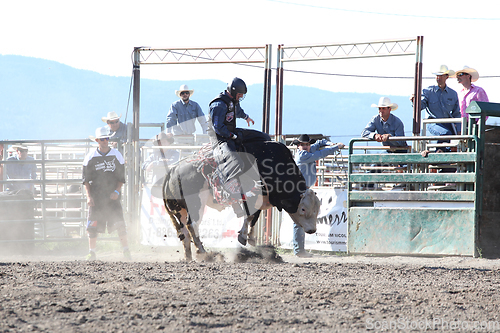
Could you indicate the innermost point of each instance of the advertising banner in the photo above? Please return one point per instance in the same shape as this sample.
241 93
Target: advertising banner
331 231
220 229
217 229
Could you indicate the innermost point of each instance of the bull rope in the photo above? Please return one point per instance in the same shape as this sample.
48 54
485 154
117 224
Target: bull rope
207 165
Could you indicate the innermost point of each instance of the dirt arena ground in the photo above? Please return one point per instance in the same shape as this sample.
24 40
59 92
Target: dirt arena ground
239 292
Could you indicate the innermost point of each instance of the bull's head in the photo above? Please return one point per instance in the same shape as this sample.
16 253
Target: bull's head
307 212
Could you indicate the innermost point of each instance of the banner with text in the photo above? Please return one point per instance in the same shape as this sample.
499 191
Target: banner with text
217 229
331 230
220 229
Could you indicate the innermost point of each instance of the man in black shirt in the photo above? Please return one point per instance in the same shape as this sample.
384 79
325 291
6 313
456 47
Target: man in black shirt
103 177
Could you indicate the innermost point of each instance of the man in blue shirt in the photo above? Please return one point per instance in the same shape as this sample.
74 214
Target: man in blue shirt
117 129
308 152
385 124
440 101
183 113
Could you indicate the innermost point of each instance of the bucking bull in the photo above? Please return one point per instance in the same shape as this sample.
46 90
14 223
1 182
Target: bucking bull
270 178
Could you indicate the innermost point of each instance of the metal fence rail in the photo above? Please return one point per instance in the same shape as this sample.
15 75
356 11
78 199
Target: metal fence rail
409 203
58 202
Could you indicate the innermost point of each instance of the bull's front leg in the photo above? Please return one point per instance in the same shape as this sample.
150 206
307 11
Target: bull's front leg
252 237
243 233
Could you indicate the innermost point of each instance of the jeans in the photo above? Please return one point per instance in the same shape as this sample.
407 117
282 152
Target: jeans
299 238
440 129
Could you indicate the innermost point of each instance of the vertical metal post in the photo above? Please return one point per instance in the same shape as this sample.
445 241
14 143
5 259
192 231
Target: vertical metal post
135 186
266 116
279 94
418 89
43 193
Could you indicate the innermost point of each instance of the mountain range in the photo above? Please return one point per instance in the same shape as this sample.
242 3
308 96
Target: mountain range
46 100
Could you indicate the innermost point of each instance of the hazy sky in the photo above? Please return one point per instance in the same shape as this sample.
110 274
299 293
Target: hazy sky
100 36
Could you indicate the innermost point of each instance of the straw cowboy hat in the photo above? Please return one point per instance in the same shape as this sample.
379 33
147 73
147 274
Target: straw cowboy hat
111 115
473 73
100 133
384 102
444 70
184 88
304 138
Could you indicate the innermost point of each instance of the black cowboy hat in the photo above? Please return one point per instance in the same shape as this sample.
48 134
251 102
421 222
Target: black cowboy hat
303 138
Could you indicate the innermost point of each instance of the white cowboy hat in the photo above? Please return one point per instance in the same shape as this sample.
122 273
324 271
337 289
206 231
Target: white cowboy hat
111 115
384 102
184 88
473 73
100 133
18 146
444 70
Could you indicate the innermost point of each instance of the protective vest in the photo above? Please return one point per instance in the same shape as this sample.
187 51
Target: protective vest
230 118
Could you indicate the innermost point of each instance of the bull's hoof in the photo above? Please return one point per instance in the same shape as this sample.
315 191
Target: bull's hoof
242 240
252 241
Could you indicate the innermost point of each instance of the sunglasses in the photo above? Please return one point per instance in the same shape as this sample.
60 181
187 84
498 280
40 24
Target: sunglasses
113 122
185 93
462 74
104 139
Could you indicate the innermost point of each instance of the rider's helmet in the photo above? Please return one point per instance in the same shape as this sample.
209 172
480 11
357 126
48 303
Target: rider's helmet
237 86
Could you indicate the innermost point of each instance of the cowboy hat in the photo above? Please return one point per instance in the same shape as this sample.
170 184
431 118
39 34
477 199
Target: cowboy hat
444 70
18 146
100 133
473 73
111 115
384 102
168 138
303 139
183 88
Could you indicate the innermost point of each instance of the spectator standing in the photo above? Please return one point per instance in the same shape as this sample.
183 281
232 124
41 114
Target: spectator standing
103 177
117 129
183 113
470 92
20 169
384 125
308 152
441 102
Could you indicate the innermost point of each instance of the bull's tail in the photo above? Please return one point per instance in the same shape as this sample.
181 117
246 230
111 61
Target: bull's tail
165 183
171 205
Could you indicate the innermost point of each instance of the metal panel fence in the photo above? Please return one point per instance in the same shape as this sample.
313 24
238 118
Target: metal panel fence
55 196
